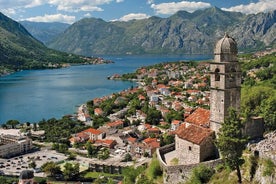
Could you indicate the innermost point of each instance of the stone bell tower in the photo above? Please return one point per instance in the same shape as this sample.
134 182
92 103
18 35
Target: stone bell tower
225 77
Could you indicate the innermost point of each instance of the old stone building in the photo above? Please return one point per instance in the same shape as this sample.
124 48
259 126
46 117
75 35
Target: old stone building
193 144
225 79
194 138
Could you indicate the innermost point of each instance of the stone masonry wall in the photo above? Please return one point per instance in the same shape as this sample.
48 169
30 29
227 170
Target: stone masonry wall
179 173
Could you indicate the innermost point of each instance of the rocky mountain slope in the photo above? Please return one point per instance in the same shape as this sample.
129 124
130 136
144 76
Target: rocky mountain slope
181 33
44 31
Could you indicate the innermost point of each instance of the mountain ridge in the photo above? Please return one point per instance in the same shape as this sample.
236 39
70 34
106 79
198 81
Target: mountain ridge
181 33
19 50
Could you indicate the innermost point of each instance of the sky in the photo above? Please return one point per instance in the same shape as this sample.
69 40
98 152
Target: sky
70 11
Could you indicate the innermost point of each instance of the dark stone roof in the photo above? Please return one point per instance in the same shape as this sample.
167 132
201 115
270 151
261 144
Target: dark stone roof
226 45
26 174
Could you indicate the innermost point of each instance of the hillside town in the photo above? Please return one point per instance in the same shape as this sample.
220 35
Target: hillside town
172 111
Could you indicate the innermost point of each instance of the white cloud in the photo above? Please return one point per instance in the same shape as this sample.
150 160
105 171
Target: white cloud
150 1
119 1
79 5
87 15
253 8
53 18
173 7
132 16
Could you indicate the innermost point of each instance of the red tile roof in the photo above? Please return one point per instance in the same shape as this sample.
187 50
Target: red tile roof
131 139
148 140
193 133
106 142
152 142
115 123
147 126
199 117
176 122
93 131
154 130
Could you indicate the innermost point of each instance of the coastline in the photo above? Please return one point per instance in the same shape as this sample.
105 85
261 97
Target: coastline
89 61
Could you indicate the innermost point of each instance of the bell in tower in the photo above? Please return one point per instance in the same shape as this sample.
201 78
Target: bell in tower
225 77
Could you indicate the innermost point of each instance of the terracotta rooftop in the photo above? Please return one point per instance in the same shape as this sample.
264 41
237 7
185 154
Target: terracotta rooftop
152 142
115 123
105 141
193 133
176 122
131 139
93 131
200 117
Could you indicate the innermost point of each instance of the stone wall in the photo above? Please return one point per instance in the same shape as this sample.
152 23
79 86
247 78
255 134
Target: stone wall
188 153
179 173
254 128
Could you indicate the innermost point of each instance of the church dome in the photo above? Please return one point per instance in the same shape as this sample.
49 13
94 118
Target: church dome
226 45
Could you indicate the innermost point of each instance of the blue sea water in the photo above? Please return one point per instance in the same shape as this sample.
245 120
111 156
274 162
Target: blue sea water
33 95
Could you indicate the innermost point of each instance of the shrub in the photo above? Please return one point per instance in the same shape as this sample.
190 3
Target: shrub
201 174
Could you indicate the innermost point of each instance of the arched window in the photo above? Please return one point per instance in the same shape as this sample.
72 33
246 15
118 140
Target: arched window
232 74
217 76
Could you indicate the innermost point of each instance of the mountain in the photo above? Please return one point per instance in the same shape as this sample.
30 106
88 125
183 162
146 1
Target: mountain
20 50
256 31
44 31
181 33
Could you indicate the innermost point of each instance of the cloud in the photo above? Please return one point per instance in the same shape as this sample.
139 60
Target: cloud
87 15
150 1
133 16
53 18
253 8
119 1
11 7
173 7
79 5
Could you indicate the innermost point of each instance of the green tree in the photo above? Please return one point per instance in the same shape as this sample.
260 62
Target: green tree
71 171
153 116
231 141
32 165
201 174
12 123
91 150
260 101
103 154
127 158
51 168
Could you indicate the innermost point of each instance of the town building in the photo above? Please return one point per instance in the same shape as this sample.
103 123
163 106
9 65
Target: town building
12 145
194 139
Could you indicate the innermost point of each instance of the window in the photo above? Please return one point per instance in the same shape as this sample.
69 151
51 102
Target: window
217 76
190 148
232 74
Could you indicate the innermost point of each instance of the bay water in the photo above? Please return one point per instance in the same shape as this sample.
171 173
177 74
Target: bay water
33 95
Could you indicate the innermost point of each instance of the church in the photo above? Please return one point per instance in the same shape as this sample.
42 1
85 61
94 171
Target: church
194 139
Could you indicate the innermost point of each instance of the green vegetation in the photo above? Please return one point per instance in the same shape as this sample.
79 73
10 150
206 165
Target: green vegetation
150 174
59 131
71 171
269 168
20 51
201 174
51 168
8 180
231 142
259 88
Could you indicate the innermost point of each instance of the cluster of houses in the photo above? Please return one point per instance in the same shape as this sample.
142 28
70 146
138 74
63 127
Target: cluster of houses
144 139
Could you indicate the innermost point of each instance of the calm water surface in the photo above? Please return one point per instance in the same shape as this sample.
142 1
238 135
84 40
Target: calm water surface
36 94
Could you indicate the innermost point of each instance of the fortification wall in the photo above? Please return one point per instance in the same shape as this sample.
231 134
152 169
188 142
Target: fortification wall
179 173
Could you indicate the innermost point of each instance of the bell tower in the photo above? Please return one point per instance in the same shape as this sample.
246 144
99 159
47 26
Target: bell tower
225 77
